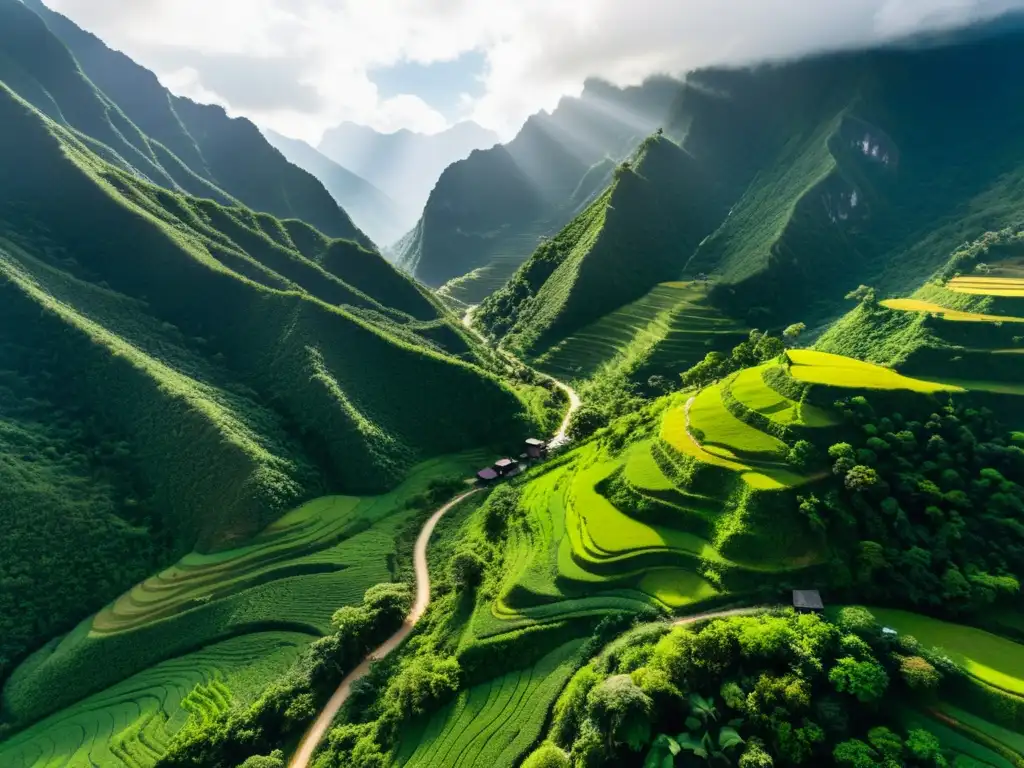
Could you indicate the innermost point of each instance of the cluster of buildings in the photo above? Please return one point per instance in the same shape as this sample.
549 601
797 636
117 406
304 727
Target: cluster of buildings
533 450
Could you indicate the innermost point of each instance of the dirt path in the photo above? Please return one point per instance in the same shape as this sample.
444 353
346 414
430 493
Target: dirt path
689 434
683 620
560 437
311 740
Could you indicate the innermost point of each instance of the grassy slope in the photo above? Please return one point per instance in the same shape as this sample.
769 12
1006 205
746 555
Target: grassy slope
993 659
131 722
191 354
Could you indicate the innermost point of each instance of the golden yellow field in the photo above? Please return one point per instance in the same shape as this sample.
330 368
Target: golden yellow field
916 305
988 286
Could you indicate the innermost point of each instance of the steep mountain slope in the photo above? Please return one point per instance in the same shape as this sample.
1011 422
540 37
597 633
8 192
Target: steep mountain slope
406 165
825 173
552 169
371 209
183 146
657 206
180 373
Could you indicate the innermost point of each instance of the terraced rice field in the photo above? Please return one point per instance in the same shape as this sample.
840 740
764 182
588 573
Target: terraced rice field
955 739
131 723
990 658
475 286
676 587
671 327
305 566
727 436
492 725
831 370
749 388
303 542
988 286
761 477
917 305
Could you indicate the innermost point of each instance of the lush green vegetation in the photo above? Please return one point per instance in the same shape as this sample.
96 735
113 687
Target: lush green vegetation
133 722
208 387
771 689
337 546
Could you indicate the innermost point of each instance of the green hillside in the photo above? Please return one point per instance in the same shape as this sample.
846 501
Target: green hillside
181 373
634 236
555 165
794 184
71 75
964 325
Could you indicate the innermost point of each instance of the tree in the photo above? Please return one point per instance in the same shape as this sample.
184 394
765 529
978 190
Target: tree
547 755
754 756
274 760
585 421
622 711
801 455
466 568
888 745
856 754
388 604
861 478
865 680
925 748
862 293
792 332
919 674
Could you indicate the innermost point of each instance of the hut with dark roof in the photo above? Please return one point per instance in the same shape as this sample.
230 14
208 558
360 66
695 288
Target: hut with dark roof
536 449
505 466
807 601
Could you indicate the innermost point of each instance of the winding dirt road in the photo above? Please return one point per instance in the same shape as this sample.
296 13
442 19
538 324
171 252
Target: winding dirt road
311 740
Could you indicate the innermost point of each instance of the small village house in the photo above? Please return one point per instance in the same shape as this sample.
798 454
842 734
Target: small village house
536 449
807 601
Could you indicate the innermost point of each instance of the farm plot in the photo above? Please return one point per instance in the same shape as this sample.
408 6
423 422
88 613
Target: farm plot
918 305
723 434
955 739
495 724
830 370
990 658
762 476
258 589
670 327
131 723
751 391
988 286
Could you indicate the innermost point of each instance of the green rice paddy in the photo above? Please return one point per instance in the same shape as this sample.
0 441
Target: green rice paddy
670 328
814 367
493 724
295 574
132 722
992 659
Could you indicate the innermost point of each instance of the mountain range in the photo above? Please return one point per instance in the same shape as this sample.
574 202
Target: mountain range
475 232
404 164
178 369
375 213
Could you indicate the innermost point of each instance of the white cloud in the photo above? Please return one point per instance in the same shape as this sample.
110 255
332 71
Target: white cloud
537 50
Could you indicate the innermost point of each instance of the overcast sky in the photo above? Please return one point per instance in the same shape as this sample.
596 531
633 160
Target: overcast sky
300 66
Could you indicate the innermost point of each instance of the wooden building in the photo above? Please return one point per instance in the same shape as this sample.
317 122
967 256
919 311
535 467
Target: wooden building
807 601
505 466
486 476
536 449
